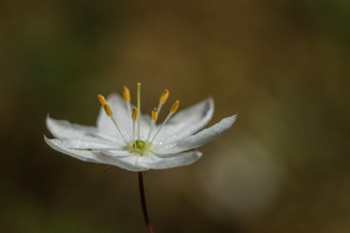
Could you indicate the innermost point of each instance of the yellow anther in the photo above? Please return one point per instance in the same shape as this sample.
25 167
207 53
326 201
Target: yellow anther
154 114
102 100
134 113
108 109
126 94
164 96
105 105
175 106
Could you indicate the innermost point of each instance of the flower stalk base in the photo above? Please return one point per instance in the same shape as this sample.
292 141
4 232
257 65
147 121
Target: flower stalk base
143 203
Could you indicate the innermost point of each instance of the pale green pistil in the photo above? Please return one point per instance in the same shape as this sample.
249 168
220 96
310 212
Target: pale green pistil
139 144
139 147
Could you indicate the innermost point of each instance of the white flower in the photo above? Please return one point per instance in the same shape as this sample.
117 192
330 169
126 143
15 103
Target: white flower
127 139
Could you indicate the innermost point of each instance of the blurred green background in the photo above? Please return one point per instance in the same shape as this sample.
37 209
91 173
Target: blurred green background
283 65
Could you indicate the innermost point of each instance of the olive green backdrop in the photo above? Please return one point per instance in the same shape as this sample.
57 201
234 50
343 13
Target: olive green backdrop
283 65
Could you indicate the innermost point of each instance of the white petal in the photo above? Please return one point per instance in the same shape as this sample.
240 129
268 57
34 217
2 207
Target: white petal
79 144
65 129
198 139
187 122
173 160
122 117
123 160
84 155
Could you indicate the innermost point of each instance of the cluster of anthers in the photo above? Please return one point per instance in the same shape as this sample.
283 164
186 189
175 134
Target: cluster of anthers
137 145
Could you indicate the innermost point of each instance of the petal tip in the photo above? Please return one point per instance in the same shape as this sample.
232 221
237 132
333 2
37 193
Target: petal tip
45 138
234 117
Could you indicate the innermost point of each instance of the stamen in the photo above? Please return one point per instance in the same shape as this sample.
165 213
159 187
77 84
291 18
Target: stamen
138 109
127 99
105 105
108 110
134 117
175 106
173 109
134 113
102 99
163 98
109 113
126 94
154 114
154 117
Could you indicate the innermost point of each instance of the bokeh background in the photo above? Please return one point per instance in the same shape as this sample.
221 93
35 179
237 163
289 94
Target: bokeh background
283 65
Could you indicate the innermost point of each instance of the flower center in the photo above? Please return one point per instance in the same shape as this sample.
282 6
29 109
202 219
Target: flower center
139 147
135 145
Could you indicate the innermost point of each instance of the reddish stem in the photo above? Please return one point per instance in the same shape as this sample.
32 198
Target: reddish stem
143 203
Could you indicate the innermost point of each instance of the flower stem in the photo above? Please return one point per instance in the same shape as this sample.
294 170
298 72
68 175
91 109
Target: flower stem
143 203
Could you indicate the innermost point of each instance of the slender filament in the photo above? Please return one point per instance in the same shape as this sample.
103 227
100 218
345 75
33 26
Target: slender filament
116 125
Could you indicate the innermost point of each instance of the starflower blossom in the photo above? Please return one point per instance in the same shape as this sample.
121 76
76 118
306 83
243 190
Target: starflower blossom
130 140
